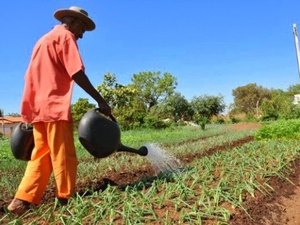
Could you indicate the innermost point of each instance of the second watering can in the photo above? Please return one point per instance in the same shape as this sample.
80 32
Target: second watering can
101 136
22 142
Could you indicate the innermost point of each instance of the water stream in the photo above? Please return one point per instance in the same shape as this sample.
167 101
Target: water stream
161 160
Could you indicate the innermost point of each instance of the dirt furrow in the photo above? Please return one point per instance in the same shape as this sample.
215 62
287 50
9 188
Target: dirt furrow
213 150
146 173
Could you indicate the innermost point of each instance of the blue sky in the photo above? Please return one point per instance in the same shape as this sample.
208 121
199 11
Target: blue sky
211 47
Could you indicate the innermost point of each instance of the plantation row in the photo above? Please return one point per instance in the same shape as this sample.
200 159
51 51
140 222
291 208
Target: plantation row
206 188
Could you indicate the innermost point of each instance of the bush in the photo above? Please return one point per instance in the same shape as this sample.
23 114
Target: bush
220 119
152 121
236 117
281 129
234 120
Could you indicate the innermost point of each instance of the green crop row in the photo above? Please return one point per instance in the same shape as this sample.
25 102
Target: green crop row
206 188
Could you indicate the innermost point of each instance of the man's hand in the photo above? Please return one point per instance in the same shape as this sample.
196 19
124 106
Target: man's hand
83 81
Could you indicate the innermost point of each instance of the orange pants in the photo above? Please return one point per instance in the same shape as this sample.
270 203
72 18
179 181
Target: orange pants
54 151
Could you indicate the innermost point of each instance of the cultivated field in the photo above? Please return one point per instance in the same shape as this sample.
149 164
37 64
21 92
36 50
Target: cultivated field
223 169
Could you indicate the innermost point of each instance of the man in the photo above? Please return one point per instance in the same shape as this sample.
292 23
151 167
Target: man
54 66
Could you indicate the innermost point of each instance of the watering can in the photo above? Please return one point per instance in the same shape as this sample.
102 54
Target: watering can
22 142
100 135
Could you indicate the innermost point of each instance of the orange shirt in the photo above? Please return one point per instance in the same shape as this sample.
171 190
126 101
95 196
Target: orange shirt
48 80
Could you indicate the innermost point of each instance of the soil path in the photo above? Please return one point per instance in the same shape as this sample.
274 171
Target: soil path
292 208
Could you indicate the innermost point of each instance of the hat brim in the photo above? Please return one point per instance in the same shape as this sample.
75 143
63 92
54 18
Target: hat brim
60 14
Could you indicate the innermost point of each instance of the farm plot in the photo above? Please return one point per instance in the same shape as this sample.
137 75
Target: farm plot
221 169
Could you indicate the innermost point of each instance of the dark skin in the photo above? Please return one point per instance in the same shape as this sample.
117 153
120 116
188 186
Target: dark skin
77 27
82 80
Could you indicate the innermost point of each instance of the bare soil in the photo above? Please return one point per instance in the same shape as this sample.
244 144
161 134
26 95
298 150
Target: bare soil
280 207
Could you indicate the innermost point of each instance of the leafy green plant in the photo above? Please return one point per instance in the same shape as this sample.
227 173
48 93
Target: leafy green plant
5 152
282 129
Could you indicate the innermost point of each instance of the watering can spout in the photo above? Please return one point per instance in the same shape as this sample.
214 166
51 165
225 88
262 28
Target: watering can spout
143 151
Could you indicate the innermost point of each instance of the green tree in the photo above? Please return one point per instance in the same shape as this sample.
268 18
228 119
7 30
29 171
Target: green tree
177 107
173 109
123 98
293 89
132 102
80 108
1 113
116 94
277 106
205 107
153 87
248 98
107 87
293 112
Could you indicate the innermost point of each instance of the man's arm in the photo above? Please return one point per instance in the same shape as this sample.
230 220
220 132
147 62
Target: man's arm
83 81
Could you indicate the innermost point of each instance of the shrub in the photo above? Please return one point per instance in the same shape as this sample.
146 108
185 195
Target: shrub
281 129
152 121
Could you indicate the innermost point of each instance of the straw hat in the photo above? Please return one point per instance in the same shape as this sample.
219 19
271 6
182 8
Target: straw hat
76 12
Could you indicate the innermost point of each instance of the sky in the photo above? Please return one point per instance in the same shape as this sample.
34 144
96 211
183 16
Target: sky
211 47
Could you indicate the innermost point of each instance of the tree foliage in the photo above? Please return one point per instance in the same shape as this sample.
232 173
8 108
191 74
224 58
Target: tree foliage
207 106
248 98
80 108
172 109
293 90
132 102
152 87
176 107
277 106
127 108
271 104
150 98
116 94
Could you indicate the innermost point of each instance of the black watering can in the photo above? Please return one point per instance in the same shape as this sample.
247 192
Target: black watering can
101 135
22 142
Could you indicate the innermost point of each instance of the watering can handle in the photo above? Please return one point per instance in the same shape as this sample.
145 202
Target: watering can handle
112 118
